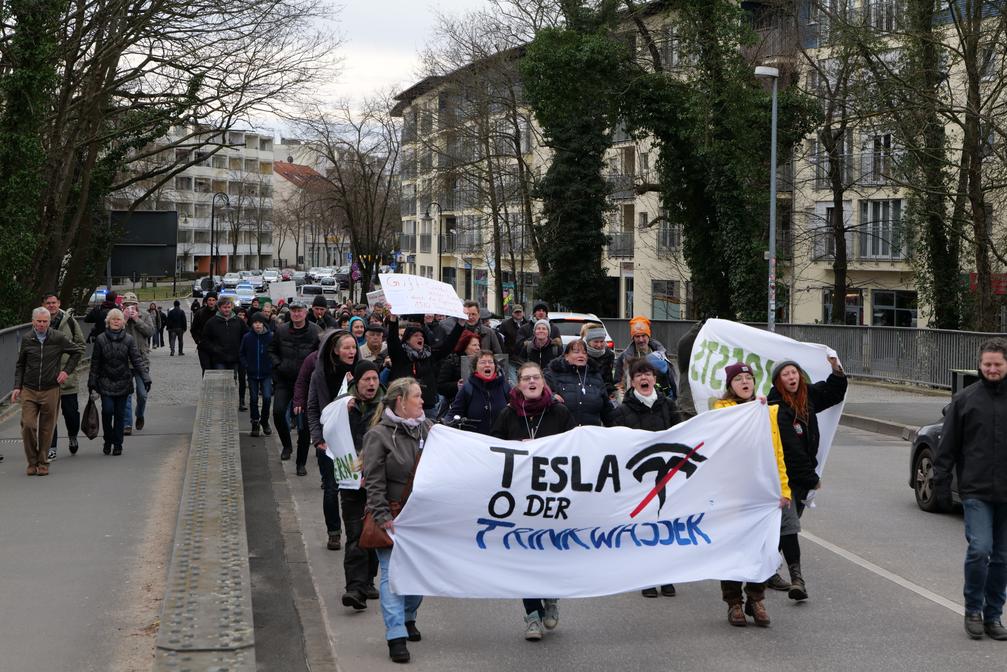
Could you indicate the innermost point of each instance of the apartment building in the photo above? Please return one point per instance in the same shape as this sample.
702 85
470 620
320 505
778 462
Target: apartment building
226 196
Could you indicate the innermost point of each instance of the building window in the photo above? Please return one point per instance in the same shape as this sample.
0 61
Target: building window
628 298
881 235
893 308
665 303
183 183
876 159
854 306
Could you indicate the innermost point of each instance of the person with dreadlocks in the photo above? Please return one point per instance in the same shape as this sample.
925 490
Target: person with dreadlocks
799 403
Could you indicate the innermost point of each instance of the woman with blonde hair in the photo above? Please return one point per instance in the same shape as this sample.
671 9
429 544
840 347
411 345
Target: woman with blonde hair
110 376
391 451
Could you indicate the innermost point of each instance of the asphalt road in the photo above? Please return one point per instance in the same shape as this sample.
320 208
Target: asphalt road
885 595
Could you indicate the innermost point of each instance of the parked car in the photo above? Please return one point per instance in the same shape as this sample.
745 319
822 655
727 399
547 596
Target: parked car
299 278
245 294
97 296
257 281
231 280
569 325
233 293
309 292
921 471
330 285
342 276
270 275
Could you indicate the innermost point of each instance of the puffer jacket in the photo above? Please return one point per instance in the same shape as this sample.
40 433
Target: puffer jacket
635 414
481 401
582 389
222 339
66 324
974 442
38 364
391 450
254 354
114 352
774 429
289 348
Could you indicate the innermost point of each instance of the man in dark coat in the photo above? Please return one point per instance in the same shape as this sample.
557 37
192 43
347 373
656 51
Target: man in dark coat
221 339
509 331
176 323
199 321
539 312
319 314
97 315
292 342
974 444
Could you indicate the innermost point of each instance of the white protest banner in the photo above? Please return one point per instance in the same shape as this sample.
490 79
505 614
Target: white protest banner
337 435
282 290
721 343
592 511
415 295
375 297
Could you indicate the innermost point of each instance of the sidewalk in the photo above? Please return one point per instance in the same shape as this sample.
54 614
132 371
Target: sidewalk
84 550
891 408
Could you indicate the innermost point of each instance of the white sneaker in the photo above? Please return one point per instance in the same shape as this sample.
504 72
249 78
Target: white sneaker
551 617
52 454
533 627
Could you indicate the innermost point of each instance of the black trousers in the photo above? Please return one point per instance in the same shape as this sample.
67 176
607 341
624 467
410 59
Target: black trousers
283 395
242 385
330 492
71 416
360 565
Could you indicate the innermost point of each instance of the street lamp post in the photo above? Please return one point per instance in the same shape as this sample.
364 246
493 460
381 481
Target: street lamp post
213 233
774 74
435 234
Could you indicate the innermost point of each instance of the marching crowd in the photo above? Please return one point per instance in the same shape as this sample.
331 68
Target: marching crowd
518 381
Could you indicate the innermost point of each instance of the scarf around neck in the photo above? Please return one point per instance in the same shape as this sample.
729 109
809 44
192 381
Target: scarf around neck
408 422
647 401
530 407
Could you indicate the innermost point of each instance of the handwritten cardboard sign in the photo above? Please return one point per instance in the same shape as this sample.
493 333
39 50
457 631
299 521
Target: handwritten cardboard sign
415 295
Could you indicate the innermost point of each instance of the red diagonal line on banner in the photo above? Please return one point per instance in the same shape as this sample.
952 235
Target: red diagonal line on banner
664 481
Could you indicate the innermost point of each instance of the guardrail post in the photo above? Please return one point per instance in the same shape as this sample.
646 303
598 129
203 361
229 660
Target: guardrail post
206 619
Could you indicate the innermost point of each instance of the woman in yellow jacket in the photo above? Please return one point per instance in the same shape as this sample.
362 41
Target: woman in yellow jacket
740 386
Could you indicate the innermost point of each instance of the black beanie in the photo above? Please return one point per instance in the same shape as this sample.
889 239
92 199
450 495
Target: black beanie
410 330
362 367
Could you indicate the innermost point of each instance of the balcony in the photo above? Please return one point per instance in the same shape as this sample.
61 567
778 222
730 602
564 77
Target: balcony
669 237
407 243
447 243
468 241
620 245
426 243
620 187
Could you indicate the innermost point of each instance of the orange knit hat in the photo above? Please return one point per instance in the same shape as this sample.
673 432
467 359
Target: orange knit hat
639 325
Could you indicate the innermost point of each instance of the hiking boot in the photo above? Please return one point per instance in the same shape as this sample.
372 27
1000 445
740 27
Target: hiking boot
414 633
550 619
798 591
397 650
51 455
650 592
265 428
334 544
974 626
757 610
668 590
255 429
353 598
42 470
139 423
371 593
301 470
995 630
107 448
736 615
128 431
777 582
117 450
533 627
31 470
73 446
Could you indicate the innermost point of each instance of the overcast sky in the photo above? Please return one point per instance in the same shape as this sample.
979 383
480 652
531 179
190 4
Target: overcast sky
382 40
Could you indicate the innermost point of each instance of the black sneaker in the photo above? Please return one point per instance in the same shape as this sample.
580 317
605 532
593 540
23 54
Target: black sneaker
371 593
397 650
73 446
265 428
242 408
107 449
128 431
649 592
255 429
285 453
355 599
117 450
334 544
668 590
51 455
301 471
994 629
414 633
139 423
974 626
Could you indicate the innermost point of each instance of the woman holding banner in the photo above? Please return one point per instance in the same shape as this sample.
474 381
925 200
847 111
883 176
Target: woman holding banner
798 404
532 413
392 448
740 385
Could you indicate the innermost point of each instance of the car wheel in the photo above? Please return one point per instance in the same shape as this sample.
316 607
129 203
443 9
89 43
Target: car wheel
927 497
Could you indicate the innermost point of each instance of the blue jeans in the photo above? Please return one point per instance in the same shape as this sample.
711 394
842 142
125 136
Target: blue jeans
255 386
986 558
395 609
113 418
141 399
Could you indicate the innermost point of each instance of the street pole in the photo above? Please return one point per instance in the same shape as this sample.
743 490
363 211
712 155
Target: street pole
213 233
435 233
774 74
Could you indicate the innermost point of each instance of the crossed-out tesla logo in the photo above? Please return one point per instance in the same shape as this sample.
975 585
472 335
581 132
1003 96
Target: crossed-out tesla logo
663 460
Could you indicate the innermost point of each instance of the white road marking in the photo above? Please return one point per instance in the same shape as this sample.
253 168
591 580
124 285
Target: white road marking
885 574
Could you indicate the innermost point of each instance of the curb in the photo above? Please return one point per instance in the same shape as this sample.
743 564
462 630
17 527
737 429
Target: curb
885 427
318 649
